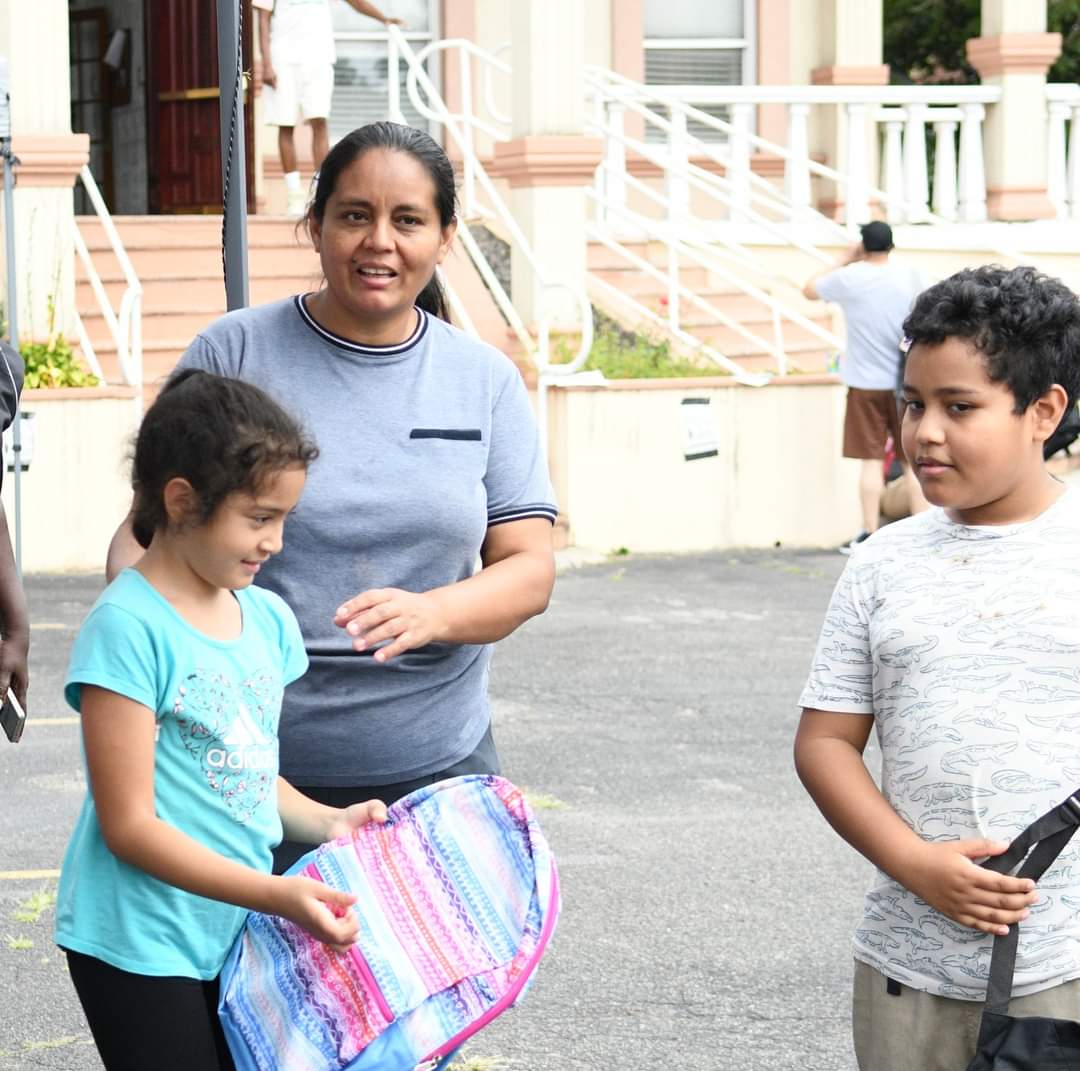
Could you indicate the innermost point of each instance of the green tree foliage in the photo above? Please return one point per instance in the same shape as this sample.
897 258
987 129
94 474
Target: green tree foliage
924 40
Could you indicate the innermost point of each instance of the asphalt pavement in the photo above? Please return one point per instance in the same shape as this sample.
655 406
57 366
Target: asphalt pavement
649 713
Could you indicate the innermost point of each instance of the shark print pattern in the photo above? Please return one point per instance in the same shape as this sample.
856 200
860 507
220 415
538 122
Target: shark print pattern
963 644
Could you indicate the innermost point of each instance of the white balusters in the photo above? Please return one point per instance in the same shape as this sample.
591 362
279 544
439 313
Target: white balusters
892 164
1072 176
945 199
678 187
972 172
1057 112
797 165
916 184
613 171
858 184
739 148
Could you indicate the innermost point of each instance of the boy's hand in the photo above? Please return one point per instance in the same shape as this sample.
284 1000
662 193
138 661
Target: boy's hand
322 911
945 875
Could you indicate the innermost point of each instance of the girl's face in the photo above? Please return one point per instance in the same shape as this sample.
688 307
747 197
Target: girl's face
243 532
380 240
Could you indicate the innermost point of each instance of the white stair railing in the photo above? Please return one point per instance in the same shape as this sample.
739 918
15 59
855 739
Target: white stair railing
125 322
486 201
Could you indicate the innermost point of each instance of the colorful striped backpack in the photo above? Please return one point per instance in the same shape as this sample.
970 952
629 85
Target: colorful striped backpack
457 897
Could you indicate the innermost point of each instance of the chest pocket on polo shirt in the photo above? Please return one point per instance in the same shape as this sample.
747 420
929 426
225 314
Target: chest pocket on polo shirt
460 434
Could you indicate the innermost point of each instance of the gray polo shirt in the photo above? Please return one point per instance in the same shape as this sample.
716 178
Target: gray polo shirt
423 446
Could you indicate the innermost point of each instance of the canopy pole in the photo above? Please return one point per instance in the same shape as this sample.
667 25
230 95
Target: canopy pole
233 177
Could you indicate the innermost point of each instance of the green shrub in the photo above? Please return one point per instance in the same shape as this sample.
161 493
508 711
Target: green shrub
53 364
622 354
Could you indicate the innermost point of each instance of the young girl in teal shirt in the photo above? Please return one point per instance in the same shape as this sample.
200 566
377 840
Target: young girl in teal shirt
178 674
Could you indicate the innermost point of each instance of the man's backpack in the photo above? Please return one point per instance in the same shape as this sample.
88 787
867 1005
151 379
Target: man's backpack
457 897
1033 1043
1065 433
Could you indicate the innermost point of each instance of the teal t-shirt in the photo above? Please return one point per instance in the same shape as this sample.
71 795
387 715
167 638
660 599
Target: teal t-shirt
217 705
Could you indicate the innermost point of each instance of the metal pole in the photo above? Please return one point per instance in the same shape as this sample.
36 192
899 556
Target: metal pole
233 178
10 163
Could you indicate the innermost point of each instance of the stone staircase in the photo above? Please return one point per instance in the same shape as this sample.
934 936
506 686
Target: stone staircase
178 261
805 351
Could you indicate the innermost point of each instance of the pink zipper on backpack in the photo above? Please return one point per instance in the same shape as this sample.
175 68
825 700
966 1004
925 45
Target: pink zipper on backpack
511 995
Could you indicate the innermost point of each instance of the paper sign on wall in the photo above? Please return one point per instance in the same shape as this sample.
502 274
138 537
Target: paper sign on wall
699 433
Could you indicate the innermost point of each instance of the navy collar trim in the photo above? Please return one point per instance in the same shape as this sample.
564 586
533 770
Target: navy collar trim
393 350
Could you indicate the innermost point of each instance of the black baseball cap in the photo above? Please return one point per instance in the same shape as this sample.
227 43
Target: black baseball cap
876 236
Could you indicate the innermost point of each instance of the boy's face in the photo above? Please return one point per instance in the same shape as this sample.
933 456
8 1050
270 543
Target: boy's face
970 451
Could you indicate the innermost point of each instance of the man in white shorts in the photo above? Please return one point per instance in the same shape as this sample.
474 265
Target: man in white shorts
296 40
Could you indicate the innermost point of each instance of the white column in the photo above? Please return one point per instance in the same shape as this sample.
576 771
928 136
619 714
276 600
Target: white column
945 168
36 46
1013 54
548 161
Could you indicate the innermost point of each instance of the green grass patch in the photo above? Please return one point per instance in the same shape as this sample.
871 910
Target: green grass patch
34 906
541 801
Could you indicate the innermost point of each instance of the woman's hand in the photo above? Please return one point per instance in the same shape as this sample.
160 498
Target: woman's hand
322 911
14 651
407 618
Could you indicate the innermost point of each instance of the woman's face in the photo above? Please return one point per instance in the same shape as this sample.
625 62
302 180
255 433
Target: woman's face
379 241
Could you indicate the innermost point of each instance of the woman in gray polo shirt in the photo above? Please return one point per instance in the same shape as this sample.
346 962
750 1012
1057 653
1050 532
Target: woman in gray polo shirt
429 459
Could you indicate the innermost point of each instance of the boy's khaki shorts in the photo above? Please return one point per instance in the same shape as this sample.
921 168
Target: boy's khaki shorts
918 1031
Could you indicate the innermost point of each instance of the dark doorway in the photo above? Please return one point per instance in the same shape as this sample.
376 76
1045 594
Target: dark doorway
90 102
183 124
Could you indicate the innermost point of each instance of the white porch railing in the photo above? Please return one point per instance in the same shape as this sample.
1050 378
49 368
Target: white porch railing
485 201
125 322
1063 148
877 123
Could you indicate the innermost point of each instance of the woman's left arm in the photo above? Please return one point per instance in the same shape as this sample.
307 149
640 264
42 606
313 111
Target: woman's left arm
514 584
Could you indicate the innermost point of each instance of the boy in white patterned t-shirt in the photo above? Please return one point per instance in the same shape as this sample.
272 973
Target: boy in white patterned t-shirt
956 633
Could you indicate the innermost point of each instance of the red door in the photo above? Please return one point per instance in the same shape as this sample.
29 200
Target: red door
182 108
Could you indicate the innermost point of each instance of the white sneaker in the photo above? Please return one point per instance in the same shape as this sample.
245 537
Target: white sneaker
297 204
850 546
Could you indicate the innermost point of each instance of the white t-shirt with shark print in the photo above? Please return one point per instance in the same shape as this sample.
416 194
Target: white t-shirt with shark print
964 644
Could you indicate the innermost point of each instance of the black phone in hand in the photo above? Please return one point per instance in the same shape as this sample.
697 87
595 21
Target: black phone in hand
12 717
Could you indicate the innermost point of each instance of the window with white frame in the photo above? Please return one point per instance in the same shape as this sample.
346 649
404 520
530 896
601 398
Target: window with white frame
361 73
689 43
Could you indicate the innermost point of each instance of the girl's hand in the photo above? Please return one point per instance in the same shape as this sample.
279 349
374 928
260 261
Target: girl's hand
322 911
946 877
407 618
355 816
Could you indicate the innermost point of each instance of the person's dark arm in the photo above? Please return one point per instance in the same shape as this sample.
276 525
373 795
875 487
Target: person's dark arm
14 621
373 12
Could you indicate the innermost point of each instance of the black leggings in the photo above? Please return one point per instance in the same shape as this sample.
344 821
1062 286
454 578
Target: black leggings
484 759
141 1022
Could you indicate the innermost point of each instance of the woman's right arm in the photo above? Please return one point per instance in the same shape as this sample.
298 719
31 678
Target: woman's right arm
124 550
118 735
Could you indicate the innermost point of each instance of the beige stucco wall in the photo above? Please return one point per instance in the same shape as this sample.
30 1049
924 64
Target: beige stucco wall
622 480
76 490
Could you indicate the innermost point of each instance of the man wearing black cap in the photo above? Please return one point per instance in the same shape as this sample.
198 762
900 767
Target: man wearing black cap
876 295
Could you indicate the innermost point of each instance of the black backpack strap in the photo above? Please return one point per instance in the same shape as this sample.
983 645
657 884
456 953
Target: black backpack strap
1045 839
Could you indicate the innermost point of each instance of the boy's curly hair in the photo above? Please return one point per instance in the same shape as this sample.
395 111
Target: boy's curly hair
1025 325
221 435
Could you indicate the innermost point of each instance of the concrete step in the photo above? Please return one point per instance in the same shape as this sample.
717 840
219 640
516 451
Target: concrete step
730 342
180 294
166 231
627 276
